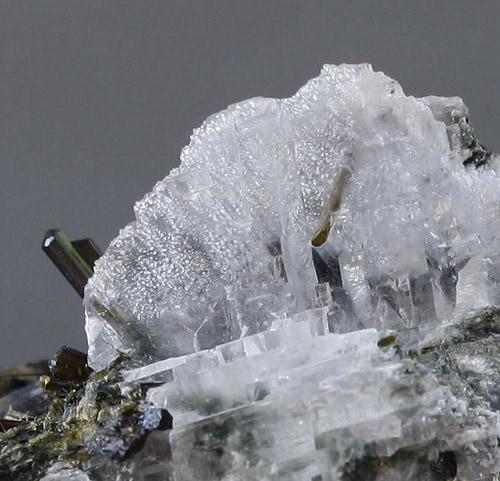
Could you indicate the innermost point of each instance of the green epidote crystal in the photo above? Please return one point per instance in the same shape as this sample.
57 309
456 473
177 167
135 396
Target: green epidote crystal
91 426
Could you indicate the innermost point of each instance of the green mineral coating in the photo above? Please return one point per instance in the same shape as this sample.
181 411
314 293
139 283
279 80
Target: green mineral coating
214 444
76 428
371 468
94 421
485 323
144 341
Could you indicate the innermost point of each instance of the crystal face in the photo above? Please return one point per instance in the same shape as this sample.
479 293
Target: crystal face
221 248
314 291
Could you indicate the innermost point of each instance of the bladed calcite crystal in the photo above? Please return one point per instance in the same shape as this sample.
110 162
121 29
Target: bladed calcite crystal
221 248
313 294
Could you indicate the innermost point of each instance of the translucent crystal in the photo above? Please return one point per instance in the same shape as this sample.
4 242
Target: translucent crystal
64 472
375 178
293 402
315 290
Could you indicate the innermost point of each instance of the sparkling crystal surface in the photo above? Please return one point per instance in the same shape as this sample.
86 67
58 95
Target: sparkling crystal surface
63 472
302 290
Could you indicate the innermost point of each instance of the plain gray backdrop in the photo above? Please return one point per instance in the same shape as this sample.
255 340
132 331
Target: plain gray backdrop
98 97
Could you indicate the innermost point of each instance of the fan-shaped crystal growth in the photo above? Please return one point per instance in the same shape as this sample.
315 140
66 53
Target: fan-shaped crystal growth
380 208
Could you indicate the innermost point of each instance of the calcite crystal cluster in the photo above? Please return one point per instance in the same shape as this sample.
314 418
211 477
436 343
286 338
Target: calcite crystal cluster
314 290
313 295
348 198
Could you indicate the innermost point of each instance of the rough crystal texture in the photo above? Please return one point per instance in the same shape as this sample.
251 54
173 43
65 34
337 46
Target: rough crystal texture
222 246
311 407
63 472
306 289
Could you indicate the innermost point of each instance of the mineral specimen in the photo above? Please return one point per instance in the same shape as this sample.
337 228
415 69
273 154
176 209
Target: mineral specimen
313 295
403 227
89 426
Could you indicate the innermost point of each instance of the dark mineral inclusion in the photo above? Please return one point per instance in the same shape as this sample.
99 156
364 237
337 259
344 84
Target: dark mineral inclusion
62 411
82 417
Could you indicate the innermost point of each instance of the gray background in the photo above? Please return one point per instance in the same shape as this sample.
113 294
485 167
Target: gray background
98 97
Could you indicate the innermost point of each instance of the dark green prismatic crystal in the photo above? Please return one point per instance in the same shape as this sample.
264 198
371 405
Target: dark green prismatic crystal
74 259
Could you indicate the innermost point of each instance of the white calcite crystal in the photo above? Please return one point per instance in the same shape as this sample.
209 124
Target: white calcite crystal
65 472
314 288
